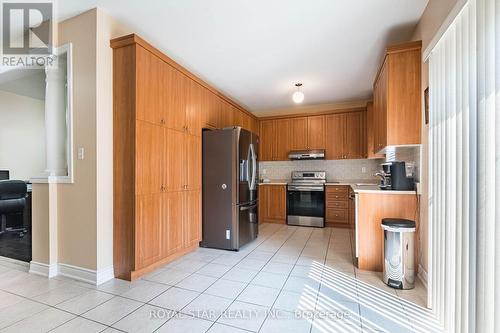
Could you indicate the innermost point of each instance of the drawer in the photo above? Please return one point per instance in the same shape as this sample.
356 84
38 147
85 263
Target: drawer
337 204
337 215
331 197
337 190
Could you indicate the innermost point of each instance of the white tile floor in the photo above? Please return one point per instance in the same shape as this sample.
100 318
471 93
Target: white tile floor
290 279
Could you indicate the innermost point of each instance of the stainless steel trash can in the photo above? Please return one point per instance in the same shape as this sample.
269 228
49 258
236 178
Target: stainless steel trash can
399 253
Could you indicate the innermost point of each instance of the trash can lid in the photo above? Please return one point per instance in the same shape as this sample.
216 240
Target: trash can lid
398 223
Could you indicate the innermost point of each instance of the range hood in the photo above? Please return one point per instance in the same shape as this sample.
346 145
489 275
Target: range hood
313 154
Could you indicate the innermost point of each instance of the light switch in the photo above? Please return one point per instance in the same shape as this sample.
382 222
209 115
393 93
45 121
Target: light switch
81 153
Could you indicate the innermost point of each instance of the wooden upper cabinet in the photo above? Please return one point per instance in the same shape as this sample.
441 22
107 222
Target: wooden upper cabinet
282 141
194 108
227 116
397 97
298 129
149 150
255 125
267 139
176 100
211 110
149 107
335 127
316 130
355 135
370 132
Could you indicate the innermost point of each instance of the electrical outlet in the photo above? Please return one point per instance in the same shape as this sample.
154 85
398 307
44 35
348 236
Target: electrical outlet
264 171
363 169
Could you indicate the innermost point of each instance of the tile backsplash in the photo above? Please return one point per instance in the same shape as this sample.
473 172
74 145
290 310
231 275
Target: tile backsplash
335 169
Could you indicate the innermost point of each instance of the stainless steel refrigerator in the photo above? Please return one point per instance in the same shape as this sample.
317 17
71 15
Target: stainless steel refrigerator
230 189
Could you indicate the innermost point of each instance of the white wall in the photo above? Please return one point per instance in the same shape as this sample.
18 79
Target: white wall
22 135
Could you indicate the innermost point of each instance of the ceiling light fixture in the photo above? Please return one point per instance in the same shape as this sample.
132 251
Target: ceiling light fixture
298 96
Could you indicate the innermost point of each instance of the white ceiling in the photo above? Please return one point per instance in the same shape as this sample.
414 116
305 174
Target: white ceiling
254 51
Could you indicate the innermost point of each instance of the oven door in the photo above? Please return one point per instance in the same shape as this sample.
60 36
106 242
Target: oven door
306 205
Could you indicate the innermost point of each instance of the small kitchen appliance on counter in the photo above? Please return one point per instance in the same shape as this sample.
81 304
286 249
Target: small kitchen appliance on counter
393 176
306 199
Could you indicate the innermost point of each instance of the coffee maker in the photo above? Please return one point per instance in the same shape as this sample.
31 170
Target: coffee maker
393 177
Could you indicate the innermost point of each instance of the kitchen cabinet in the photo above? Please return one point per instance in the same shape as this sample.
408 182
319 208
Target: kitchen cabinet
397 97
272 203
307 133
335 127
355 135
316 129
345 135
267 136
372 208
275 137
299 127
159 110
192 213
370 132
337 206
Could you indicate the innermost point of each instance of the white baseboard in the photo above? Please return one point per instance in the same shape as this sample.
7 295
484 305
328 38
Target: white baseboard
74 272
422 275
87 275
42 269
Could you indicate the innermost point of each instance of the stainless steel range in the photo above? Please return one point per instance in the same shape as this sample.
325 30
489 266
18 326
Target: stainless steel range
306 199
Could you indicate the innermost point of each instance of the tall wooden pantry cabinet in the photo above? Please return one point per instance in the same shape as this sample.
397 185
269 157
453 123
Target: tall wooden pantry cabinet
159 112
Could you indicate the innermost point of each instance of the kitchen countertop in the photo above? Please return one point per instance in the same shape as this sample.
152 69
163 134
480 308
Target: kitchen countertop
358 185
274 182
365 186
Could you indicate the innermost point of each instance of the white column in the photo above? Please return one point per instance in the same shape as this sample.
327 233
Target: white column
55 119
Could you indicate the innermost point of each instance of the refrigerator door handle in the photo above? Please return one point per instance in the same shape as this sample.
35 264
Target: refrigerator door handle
248 179
254 167
243 208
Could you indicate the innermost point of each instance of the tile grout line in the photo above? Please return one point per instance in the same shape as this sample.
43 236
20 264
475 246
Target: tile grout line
213 323
288 276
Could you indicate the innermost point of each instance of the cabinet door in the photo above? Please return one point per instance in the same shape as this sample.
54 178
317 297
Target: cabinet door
282 146
263 203
227 115
255 126
316 130
211 109
147 229
298 133
380 110
149 146
192 214
194 111
370 132
335 136
148 86
176 100
193 161
277 202
175 172
267 140
172 222
354 135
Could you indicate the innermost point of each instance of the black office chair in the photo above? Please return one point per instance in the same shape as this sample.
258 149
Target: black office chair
12 202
